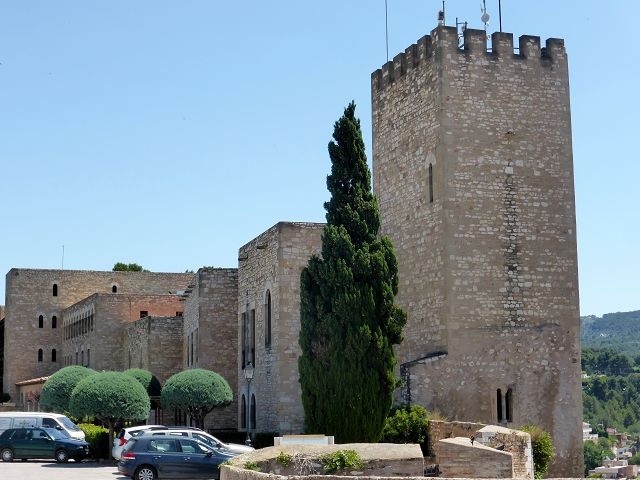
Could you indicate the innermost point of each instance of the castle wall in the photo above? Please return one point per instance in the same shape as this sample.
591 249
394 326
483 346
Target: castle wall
210 334
155 344
272 263
30 294
473 169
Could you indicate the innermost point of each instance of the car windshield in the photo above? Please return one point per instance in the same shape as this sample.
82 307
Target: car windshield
68 424
57 434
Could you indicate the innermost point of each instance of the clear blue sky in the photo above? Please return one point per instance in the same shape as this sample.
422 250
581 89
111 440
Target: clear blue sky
171 133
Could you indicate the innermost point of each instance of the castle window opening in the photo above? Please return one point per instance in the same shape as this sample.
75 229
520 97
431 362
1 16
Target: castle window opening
82 358
114 289
39 354
253 336
144 313
267 320
509 405
54 322
243 414
252 418
88 357
55 289
53 355
41 321
430 183
499 404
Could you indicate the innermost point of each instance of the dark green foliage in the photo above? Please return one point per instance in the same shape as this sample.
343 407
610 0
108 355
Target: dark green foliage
128 267
56 392
543 451
349 322
617 331
606 362
98 440
341 460
148 380
594 454
407 425
612 401
196 392
110 397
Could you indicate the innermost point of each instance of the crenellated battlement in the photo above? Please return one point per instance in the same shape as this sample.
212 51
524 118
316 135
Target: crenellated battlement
444 41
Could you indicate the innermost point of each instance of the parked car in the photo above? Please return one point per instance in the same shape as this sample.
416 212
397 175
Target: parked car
149 457
47 443
201 435
124 435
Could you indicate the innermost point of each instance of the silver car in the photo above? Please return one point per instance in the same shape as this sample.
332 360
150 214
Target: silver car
201 435
124 435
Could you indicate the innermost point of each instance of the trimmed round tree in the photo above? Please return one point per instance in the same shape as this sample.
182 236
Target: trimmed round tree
196 392
348 319
56 391
110 397
148 380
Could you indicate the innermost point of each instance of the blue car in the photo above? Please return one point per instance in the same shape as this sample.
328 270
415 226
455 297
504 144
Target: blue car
147 457
26 443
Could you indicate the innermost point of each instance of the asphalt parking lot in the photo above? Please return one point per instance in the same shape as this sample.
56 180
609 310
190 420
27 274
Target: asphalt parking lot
47 470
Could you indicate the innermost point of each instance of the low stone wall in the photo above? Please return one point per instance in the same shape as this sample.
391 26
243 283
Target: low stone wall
458 457
380 460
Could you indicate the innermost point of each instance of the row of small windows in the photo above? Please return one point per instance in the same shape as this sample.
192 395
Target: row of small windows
114 289
54 321
79 359
79 327
41 355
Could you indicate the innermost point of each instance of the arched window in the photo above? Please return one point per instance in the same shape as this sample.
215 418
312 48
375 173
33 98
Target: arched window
252 418
499 405
54 322
39 354
82 358
430 183
243 412
509 405
267 320
114 289
55 289
53 355
41 321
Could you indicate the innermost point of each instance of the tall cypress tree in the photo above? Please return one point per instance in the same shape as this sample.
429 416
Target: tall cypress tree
349 322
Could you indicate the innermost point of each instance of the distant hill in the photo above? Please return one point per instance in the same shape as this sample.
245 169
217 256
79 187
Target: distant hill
618 331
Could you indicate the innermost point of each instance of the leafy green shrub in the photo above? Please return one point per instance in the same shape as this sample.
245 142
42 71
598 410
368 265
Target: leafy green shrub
340 460
252 466
148 380
406 425
56 391
98 440
284 459
543 451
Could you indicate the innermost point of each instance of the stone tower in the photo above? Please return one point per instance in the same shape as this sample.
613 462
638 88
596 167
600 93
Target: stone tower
473 169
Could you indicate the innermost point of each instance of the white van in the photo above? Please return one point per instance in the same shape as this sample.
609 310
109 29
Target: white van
40 419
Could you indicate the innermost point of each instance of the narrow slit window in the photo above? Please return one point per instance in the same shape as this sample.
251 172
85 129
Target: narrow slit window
41 321
39 354
267 320
54 322
499 405
509 405
430 183
55 289
114 289
53 355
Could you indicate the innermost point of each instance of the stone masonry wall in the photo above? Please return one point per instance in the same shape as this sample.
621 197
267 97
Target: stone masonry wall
210 334
155 344
29 295
272 263
474 171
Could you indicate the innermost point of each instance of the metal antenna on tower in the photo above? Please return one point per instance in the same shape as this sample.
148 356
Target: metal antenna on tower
386 28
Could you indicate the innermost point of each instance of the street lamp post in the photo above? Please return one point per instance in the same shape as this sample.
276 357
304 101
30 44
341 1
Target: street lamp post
248 376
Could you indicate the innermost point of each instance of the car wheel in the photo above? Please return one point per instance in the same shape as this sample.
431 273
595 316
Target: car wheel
62 456
7 455
145 472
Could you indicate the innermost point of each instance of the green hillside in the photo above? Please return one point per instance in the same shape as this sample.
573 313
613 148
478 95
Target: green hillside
617 331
